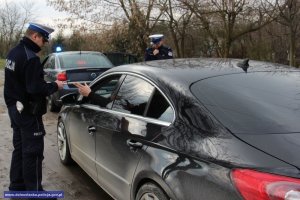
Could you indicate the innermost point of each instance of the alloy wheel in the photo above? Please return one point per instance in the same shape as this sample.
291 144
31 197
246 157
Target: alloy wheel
61 141
149 196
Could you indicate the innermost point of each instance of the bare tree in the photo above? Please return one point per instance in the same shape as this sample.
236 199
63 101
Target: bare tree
227 20
289 16
178 18
141 16
13 18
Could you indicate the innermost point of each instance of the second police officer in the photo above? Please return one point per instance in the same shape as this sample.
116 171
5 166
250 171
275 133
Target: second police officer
158 50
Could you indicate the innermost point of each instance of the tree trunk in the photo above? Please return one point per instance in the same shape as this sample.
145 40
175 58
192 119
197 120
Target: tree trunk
292 53
227 48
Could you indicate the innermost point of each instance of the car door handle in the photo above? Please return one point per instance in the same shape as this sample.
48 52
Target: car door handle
92 130
134 144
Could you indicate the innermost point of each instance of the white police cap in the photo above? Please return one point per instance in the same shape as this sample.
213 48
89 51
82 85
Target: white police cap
156 38
45 31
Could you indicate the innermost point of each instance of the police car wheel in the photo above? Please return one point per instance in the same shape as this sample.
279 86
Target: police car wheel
62 143
151 191
51 105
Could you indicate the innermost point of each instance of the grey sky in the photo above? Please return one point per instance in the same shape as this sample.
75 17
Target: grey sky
42 12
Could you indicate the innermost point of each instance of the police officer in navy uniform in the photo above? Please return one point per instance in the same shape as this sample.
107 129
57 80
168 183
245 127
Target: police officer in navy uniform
158 50
25 92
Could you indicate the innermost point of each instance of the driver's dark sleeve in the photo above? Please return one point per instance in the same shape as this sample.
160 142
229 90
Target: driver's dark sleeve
98 99
35 83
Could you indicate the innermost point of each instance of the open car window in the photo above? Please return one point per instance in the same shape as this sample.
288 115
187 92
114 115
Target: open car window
103 92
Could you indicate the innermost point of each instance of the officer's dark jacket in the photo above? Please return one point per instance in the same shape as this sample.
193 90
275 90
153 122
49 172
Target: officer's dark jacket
24 75
164 53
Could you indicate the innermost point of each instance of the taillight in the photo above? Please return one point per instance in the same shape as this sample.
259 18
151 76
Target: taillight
254 185
62 76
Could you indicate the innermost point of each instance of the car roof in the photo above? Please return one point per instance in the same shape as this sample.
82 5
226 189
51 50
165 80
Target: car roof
190 70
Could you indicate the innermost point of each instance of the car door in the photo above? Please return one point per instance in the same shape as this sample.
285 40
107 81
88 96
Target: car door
83 119
118 149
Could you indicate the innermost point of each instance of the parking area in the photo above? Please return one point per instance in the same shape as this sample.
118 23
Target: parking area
75 183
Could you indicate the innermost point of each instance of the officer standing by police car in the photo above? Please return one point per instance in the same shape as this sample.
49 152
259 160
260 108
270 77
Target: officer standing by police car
158 50
25 92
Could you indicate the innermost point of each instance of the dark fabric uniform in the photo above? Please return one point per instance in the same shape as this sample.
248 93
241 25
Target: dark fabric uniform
164 53
24 82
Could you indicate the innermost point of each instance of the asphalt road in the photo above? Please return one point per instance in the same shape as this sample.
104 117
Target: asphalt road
75 183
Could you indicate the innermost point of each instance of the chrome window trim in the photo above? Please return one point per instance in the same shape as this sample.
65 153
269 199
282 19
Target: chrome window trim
142 77
146 119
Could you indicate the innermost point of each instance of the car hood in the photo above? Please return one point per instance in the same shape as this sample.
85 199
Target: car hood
284 146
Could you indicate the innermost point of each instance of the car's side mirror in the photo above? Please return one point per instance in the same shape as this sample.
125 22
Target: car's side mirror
69 99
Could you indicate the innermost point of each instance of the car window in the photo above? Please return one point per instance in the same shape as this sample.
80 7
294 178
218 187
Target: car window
159 108
133 96
84 60
256 103
52 62
104 92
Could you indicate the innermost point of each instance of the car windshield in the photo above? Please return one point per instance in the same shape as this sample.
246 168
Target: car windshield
259 102
84 60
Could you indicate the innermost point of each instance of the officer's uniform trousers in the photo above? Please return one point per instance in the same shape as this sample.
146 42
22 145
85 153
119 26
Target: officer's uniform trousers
26 164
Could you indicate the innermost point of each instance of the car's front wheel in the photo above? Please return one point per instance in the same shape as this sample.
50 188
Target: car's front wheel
62 143
151 191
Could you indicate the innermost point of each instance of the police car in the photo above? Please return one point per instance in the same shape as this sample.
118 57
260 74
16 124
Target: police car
73 66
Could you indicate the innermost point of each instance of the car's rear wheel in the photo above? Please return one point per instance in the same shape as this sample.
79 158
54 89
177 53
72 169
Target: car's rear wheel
52 107
150 191
63 145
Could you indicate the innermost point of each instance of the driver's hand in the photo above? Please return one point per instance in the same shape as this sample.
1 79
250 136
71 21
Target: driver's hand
84 90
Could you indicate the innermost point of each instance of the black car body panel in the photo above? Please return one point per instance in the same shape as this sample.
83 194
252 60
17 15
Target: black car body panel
281 146
188 152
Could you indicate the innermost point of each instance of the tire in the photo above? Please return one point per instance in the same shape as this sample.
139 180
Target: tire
52 107
63 145
151 191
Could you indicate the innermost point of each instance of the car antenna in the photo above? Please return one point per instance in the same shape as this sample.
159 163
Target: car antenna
244 64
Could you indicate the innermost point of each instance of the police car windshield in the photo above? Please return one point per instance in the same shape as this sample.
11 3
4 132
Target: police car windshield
84 60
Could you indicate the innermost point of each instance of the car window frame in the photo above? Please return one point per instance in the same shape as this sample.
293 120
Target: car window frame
144 118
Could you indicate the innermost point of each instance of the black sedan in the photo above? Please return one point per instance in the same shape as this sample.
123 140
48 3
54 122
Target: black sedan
72 66
188 129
